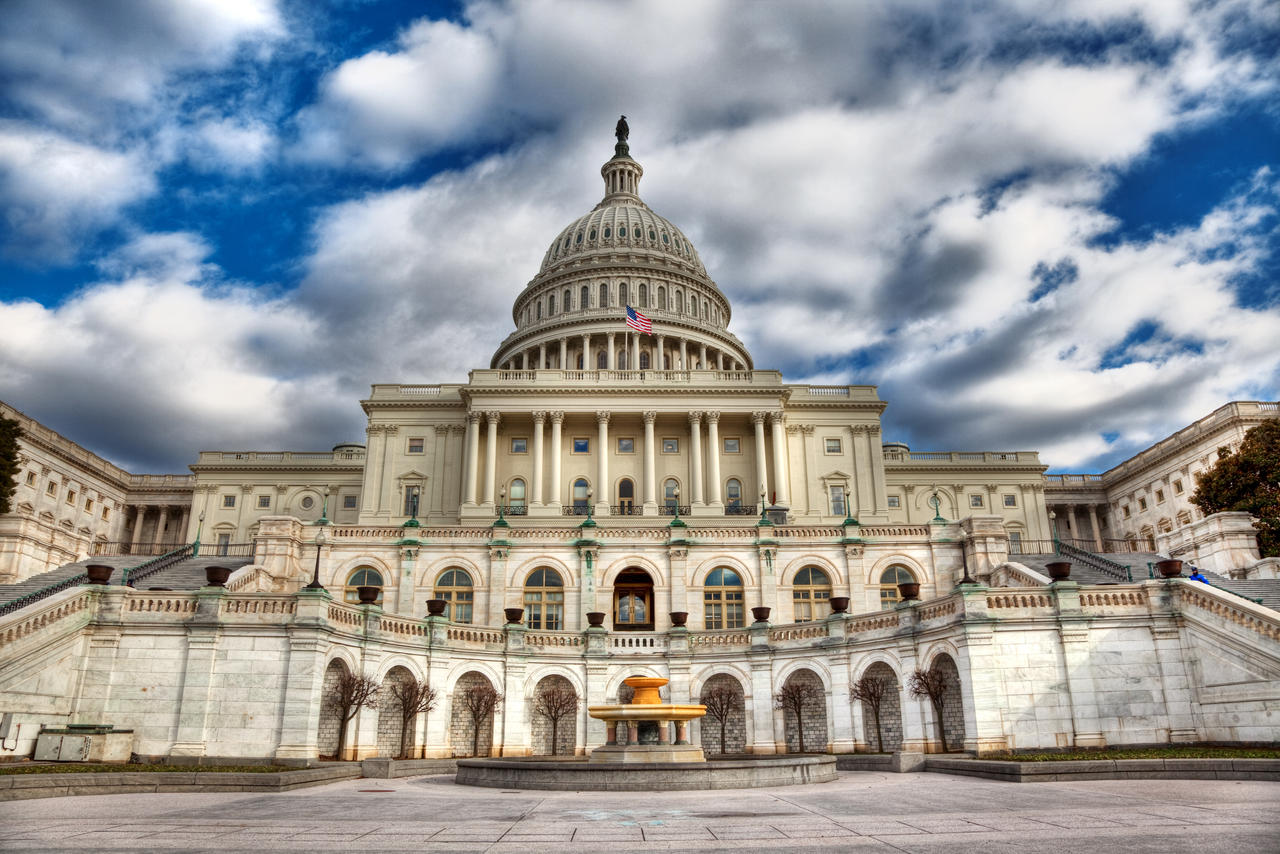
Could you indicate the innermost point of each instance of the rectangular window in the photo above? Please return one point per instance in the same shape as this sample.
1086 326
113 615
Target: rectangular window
975 501
264 502
1127 513
1142 504
722 609
106 512
520 445
415 446
88 504
1159 496
832 446
228 501
733 446
1010 500
31 478
71 496
349 502
51 489
895 501
837 501
224 543
411 495
626 445
582 446
670 446
1177 487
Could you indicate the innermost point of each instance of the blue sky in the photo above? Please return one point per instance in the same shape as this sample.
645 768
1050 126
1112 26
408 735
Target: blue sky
1047 226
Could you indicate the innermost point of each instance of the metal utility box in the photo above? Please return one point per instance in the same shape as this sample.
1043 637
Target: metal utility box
84 743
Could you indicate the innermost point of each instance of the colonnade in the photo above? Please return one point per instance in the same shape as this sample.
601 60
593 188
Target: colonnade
164 514
544 491
1072 529
677 353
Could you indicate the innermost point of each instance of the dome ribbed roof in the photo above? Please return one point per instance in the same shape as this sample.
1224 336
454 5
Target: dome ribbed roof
621 227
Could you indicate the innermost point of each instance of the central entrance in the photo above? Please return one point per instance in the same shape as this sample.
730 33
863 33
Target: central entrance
633 601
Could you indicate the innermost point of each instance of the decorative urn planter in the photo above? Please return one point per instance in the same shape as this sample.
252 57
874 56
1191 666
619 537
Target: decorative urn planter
99 573
435 607
368 593
839 604
216 576
513 615
761 614
1169 568
1059 570
909 591
595 619
678 619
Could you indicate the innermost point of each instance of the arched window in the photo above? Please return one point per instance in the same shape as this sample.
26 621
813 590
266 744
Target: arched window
580 490
568 300
455 587
551 304
515 498
809 593
544 600
604 294
733 494
670 496
644 360
693 306
539 309
626 496
889 581
722 600
364 576
624 293
662 298
705 309
602 359
585 299
679 300
644 296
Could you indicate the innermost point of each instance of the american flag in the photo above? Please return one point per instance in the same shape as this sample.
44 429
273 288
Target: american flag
638 321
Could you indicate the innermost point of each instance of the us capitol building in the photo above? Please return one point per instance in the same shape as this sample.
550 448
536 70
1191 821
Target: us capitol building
608 500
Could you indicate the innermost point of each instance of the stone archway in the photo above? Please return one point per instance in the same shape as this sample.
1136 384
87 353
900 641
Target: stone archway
390 721
541 725
952 703
462 730
633 601
890 711
330 715
814 719
732 705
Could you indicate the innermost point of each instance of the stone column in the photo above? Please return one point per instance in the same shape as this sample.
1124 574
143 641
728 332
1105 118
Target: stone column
372 470
586 353
524 360
695 456
611 358
139 516
662 364
473 456
491 417
1075 525
702 356
684 354
761 738
539 418
878 490
1093 526
160 523
184 524
780 459
557 418
861 499
713 460
719 360
762 466
635 352
603 491
650 465
385 482
542 356
564 354
197 679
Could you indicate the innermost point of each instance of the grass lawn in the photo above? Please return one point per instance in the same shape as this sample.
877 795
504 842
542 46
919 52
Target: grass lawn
1172 752
79 768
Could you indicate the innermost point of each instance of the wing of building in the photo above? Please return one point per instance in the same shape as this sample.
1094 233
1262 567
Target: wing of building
601 502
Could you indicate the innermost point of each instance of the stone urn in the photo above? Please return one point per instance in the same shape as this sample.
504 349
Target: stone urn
909 591
436 607
595 619
216 576
1059 570
1169 568
368 593
99 573
678 619
513 615
760 614
839 604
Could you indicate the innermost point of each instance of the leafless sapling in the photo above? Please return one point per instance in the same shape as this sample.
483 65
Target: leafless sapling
556 702
871 691
721 702
797 698
934 685
415 698
349 694
480 702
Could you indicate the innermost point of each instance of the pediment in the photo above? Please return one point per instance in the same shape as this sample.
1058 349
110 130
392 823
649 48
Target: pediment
412 474
837 475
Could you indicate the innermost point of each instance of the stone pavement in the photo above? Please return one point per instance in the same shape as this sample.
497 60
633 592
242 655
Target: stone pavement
861 811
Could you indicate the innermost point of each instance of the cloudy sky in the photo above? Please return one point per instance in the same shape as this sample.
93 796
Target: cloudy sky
1048 226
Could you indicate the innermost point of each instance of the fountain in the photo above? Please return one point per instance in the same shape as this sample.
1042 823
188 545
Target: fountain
640 731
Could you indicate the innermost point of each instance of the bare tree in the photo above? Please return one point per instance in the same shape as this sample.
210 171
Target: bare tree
933 684
480 701
871 691
797 698
721 702
351 692
415 698
557 701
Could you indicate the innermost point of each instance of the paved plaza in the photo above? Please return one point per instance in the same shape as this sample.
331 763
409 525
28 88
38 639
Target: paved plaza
859 812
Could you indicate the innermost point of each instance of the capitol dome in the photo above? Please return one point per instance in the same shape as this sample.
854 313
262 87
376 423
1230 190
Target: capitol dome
620 254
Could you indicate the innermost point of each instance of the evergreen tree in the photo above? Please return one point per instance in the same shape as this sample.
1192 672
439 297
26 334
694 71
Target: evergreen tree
10 432
1248 480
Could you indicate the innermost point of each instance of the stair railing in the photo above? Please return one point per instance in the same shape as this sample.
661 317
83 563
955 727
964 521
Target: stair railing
1118 571
127 575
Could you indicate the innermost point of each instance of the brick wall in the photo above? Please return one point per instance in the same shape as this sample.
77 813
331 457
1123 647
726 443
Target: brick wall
890 711
327 740
390 722
461 729
735 734
540 725
815 717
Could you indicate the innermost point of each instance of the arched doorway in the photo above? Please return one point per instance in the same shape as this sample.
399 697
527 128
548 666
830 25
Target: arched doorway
626 497
888 737
554 724
952 702
803 699
726 713
330 714
633 601
391 733
470 718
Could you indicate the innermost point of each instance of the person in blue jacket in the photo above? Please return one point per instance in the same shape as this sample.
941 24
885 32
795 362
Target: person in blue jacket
1197 576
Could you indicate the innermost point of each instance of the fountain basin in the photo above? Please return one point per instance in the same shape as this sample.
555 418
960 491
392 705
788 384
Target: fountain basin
583 775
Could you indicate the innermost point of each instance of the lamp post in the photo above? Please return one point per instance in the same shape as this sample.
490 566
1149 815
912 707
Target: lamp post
1053 529
195 547
502 507
315 578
